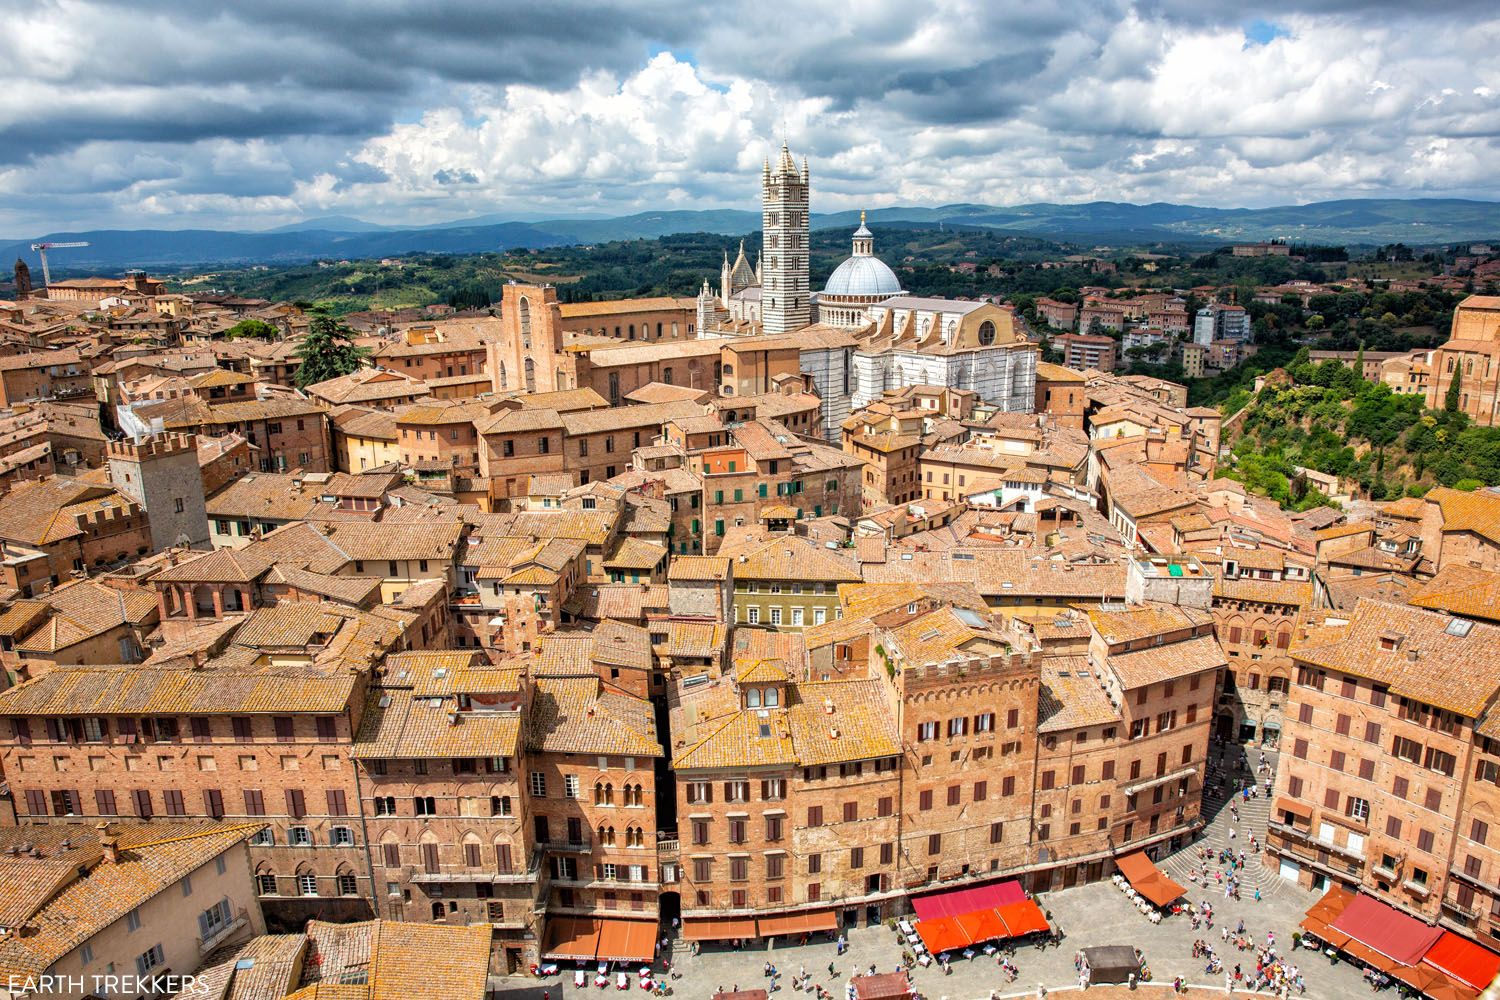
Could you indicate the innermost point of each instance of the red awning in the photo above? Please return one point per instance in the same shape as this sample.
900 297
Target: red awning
882 986
627 940
572 937
942 934
718 928
1023 918
743 995
1464 960
955 902
1148 880
981 925
1386 929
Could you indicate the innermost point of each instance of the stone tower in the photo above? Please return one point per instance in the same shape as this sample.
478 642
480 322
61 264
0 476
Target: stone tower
783 259
161 474
23 281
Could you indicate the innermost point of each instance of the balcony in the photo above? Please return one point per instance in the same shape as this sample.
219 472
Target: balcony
583 844
1418 889
475 877
1467 913
218 937
1473 878
668 847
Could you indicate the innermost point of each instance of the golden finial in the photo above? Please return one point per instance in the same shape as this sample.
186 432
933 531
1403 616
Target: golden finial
861 217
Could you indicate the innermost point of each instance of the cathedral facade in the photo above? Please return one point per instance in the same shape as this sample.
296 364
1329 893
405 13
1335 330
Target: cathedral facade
864 334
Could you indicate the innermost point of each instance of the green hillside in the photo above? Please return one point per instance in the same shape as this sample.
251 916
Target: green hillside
1329 419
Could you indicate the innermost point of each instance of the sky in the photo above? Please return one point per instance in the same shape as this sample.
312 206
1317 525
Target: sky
249 115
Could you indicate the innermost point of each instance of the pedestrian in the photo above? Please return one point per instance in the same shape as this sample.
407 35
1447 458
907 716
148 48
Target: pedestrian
831 971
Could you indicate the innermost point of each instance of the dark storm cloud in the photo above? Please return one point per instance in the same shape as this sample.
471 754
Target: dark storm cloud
281 108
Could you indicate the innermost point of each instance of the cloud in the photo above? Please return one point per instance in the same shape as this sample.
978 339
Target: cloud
252 114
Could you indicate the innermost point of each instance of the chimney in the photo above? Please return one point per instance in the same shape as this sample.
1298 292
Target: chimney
109 842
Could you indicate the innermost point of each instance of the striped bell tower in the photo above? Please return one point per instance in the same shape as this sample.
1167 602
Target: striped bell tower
784 226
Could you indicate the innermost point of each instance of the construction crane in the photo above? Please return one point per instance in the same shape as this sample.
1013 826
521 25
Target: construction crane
42 249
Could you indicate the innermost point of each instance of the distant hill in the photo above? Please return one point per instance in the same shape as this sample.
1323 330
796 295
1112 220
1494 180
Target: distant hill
1354 222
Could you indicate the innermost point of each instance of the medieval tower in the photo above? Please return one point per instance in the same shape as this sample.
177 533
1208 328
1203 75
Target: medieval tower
23 281
783 258
161 474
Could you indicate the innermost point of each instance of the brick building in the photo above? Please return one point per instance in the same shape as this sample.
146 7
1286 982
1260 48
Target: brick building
1390 783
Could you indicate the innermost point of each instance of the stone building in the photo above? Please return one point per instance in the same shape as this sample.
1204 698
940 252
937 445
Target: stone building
162 475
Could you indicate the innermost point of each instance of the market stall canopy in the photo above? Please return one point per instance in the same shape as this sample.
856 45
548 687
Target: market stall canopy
1114 963
882 986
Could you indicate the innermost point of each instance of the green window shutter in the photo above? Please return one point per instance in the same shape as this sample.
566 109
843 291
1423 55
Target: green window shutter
719 526
762 490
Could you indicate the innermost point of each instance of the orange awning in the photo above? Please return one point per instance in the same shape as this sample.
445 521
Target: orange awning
1148 880
1294 807
1368 955
942 934
572 937
1023 917
718 928
981 925
627 940
805 922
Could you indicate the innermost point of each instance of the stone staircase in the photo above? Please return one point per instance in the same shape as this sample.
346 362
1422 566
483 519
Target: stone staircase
1218 820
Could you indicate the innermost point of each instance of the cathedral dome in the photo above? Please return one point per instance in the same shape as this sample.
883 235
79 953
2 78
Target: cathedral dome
863 276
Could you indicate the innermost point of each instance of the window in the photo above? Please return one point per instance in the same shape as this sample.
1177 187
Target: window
265 885
341 836
538 784
307 885
348 885
149 959
424 805
133 921
299 836
773 828
570 786
1357 808
934 844
214 919
814 864
814 815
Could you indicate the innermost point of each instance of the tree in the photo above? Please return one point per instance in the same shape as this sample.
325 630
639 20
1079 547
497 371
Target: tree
1450 401
328 351
253 328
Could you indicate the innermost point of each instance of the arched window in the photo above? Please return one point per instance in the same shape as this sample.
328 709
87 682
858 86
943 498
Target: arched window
752 697
437 908
609 794
524 312
986 333
631 328
603 833
530 375
772 697
598 793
